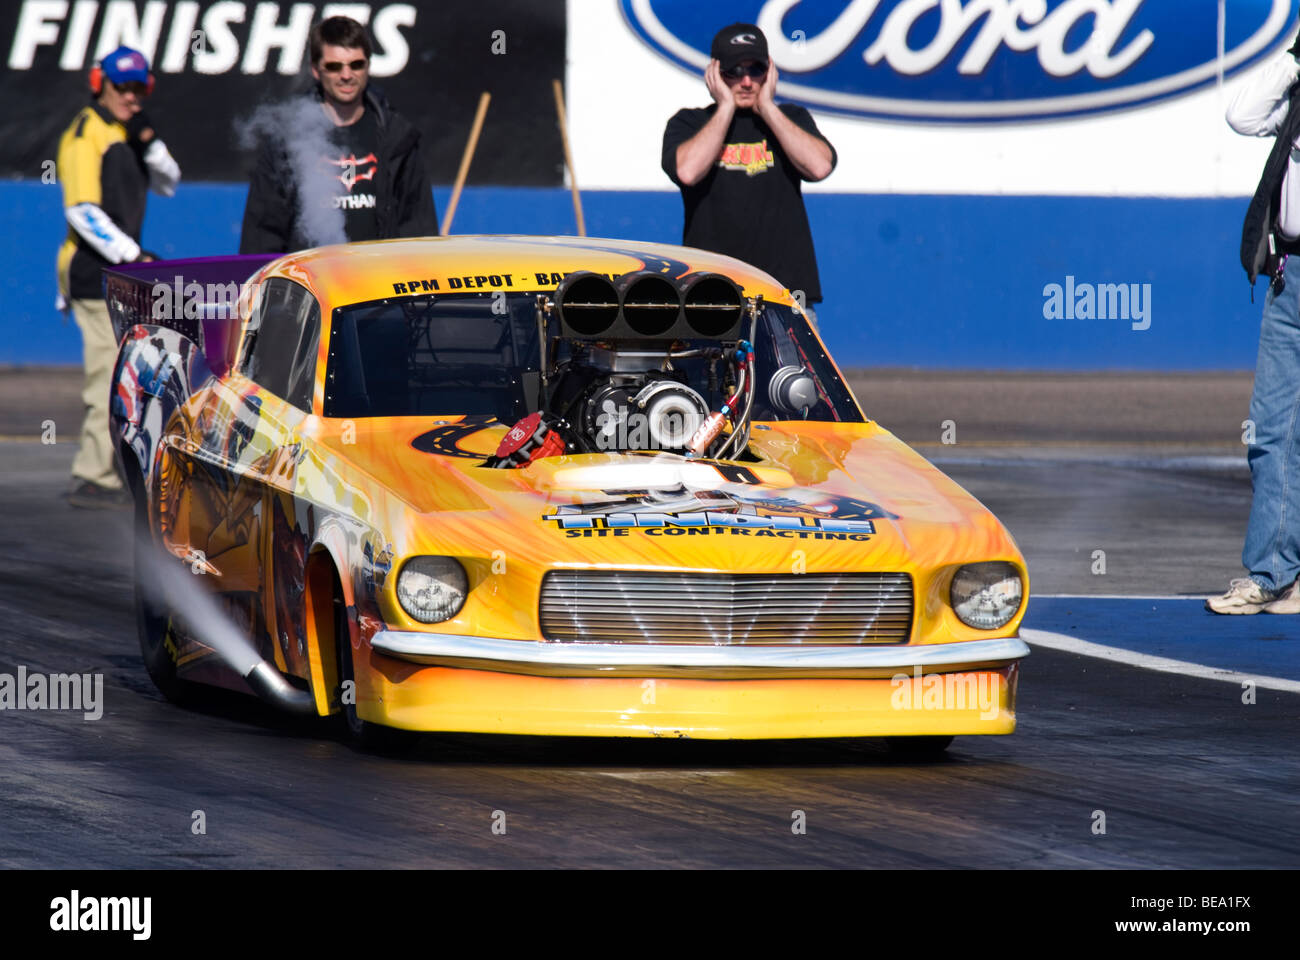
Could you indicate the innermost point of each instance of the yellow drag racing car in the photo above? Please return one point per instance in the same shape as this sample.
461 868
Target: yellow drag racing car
543 486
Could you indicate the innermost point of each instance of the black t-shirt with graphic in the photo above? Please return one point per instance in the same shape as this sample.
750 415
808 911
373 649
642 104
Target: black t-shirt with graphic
750 205
352 171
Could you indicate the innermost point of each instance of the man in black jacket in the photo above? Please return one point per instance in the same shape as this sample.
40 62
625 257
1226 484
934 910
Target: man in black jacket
337 165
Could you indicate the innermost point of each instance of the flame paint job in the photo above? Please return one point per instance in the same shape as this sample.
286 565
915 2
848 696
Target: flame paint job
280 501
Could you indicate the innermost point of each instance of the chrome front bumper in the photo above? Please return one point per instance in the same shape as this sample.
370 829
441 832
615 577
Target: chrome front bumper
568 659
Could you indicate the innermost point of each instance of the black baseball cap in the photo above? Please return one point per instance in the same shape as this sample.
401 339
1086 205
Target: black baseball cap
738 43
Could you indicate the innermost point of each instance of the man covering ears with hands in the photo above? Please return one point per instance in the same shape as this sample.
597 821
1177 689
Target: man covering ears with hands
109 158
741 162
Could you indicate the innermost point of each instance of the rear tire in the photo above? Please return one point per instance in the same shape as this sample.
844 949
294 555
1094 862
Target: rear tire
152 615
361 734
917 748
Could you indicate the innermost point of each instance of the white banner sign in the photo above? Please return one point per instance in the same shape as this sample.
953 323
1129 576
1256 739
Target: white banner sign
1021 101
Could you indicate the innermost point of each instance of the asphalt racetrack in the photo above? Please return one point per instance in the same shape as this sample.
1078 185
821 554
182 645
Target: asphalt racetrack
1131 705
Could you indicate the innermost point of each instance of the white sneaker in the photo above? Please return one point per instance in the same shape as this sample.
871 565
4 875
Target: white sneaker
1288 602
1244 596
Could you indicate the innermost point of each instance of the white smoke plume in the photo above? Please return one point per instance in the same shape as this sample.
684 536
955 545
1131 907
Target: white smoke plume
170 585
300 124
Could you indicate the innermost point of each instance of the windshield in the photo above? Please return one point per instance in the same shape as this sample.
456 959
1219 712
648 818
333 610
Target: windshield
409 357
477 354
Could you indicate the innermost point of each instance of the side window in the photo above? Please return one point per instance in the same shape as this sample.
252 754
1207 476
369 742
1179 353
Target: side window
302 378
283 335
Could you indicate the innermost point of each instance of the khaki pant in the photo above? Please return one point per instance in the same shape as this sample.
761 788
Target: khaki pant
94 461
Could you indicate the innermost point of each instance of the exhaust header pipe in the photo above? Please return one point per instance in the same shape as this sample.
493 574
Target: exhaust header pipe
269 684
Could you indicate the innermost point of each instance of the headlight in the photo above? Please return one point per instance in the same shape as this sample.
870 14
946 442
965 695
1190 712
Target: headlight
986 595
432 589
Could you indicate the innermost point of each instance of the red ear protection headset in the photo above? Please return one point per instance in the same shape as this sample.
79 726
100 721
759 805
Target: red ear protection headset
97 81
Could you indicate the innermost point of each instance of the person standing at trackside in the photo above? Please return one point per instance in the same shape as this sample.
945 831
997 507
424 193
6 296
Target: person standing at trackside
740 164
373 171
1270 106
109 158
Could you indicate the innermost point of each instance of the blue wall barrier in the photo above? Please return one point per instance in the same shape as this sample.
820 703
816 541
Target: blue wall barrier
909 281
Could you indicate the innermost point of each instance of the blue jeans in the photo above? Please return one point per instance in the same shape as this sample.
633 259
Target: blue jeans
1272 550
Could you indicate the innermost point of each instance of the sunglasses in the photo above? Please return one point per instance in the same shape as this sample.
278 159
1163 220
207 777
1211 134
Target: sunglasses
141 90
334 66
756 71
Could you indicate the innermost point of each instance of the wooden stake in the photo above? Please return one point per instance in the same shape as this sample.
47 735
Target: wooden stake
568 157
465 159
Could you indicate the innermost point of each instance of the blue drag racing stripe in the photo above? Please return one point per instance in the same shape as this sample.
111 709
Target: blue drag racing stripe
1177 628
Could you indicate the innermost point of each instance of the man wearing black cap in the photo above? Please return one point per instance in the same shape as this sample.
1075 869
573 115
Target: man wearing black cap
740 163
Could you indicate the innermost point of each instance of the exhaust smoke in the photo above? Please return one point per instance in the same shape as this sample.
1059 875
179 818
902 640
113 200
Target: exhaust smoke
300 128
169 586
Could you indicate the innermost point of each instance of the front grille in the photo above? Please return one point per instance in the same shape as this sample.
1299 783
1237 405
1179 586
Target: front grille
626 606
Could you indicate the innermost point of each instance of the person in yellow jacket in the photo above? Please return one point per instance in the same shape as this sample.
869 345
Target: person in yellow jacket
109 158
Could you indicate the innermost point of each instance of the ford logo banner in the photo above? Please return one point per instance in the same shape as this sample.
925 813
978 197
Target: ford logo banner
979 60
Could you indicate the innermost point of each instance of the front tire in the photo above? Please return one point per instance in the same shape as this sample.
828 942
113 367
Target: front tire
361 734
917 748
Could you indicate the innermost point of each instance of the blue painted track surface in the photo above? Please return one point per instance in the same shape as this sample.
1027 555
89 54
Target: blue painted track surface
1180 629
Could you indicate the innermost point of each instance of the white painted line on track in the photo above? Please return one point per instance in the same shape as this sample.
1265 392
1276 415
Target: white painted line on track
1058 641
1233 464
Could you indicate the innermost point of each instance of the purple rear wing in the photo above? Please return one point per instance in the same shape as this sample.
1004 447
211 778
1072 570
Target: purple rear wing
197 297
